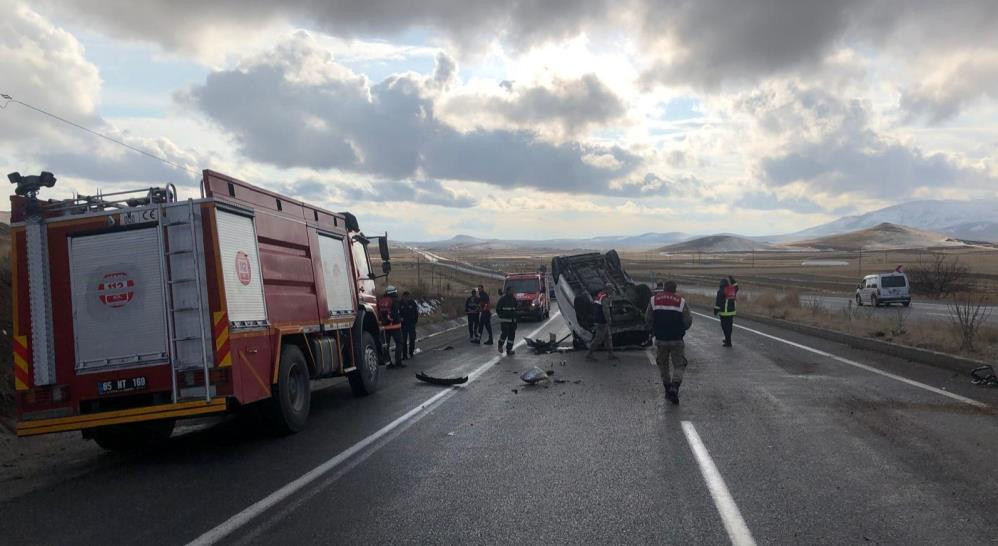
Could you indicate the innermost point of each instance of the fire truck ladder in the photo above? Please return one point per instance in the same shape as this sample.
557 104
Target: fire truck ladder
185 309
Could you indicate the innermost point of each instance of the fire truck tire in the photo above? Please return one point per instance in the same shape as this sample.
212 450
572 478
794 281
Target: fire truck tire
287 410
134 436
364 380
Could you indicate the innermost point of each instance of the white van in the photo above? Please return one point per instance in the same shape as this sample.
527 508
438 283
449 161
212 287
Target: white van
884 289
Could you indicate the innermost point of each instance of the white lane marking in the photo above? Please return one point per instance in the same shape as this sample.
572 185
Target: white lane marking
871 369
235 522
738 532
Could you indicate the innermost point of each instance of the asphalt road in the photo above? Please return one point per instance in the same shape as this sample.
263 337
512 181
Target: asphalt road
772 443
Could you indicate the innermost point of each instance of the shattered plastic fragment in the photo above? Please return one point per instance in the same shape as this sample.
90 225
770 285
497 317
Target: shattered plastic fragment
534 375
444 381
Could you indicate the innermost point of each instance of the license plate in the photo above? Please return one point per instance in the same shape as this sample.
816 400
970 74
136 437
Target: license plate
115 386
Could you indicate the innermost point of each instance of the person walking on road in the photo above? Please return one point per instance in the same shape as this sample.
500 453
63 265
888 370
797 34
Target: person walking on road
724 306
410 317
669 317
506 309
484 314
391 322
602 321
471 308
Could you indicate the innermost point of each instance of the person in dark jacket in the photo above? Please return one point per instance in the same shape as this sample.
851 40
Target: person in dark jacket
506 309
391 323
409 310
724 306
471 309
669 317
484 314
602 334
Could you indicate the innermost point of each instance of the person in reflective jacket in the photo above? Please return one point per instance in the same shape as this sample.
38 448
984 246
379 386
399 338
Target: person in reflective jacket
669 317
472 309
724 306
506 309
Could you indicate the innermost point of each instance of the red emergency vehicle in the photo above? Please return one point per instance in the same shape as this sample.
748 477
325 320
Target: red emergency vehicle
531 293
134 309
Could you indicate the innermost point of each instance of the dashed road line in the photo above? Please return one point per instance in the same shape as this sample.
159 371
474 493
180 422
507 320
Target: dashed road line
731 516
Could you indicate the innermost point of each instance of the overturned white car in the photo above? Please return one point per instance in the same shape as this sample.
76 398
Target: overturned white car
578 279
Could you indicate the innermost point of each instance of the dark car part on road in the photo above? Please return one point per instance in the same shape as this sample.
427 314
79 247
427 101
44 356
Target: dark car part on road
543 347
442 381
985 376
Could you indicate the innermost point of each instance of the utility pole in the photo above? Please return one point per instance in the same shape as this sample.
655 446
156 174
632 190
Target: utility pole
861 262
418 280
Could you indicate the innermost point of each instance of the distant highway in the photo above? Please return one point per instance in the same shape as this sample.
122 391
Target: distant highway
463 267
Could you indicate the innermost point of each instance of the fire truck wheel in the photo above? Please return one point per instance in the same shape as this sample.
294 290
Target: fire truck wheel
134 436
288 408
364 381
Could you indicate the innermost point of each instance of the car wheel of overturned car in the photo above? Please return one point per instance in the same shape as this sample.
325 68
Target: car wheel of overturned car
364 380
134 436
287 410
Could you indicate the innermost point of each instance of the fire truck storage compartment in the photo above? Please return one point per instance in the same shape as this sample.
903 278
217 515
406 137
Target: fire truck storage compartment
118 305
237 245
336 275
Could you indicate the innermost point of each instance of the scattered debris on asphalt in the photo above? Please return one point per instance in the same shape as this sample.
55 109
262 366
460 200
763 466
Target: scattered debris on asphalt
534 375
550 346
447 348
515 391
444 381
984 376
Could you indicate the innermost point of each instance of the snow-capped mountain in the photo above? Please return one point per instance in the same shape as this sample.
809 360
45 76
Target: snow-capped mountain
975 220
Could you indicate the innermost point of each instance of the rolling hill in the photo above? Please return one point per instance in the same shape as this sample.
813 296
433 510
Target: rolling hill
973 220
717 243
883 236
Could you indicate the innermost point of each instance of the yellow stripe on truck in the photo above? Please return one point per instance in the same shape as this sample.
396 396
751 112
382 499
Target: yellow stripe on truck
149 413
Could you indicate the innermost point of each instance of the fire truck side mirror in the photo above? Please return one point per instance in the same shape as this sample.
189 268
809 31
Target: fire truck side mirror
386 267
383 248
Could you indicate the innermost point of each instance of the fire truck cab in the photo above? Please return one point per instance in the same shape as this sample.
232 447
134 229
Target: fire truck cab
134 309
531 293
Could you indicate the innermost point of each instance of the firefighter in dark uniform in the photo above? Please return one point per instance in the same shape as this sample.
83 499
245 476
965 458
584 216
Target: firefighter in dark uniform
410 317
484 314
391 323
506 309
724 306
669 317
471 308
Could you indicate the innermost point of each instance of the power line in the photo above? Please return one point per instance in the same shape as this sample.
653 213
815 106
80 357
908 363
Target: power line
11 99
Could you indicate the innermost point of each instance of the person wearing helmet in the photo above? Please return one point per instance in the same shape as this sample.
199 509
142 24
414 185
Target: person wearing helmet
602 335
391 322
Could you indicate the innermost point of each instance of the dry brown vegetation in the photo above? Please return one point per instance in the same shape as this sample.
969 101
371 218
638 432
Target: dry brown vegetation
427 281
862 321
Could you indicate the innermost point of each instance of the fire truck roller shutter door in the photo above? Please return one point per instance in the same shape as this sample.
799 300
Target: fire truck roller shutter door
117 288
237 245
336 275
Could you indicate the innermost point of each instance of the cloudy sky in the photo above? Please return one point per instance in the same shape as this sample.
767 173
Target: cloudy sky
526 119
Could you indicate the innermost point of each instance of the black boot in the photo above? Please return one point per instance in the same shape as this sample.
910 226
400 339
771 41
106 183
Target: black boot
672 394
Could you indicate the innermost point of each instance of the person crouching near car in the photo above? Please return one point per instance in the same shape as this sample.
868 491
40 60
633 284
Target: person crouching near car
669 317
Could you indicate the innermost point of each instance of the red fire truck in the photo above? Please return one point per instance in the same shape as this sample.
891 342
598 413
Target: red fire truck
531 293
134 309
